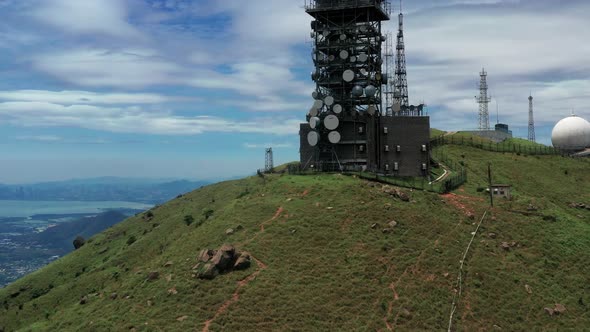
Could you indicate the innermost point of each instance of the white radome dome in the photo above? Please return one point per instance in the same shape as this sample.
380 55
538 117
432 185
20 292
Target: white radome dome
571 133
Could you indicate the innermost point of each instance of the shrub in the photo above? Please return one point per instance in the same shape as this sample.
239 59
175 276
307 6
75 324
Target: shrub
79 242
208 213
131 240
188 219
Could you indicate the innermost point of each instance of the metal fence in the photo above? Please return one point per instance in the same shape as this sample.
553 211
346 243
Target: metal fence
511 147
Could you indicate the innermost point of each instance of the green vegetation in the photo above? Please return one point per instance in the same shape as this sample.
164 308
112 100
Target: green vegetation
322 264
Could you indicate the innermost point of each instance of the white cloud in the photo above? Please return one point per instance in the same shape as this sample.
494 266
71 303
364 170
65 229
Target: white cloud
85 97
107 17
133 119
268 145
40 138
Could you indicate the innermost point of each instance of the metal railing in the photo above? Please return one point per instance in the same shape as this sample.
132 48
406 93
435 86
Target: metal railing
341 4
482 144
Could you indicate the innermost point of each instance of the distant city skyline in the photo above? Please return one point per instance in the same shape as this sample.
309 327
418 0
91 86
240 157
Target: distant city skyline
198 89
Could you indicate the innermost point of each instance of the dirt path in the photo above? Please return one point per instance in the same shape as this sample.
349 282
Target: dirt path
277 214
236 295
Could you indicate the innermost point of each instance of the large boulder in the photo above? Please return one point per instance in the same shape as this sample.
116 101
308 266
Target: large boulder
207 271
205 255
243 261
79 242
222 260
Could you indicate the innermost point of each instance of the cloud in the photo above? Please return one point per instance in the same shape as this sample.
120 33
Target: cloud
87 17
268 145
86 97
135 120
40 138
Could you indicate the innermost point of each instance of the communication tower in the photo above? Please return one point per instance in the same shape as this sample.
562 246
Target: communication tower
389 56
483 100
401 80
269 162
531 121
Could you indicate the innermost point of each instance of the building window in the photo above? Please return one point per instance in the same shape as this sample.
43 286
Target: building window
398 148
423 148
385 130
396 166
387 148
361 148
361 130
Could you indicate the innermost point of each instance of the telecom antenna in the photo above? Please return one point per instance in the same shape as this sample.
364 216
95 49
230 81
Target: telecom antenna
483 100
389 70
401 79
269 164
531 121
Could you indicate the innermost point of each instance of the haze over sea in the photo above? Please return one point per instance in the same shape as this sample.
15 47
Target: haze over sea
30 208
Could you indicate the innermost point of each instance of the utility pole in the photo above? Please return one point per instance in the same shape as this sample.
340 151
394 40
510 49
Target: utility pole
490 184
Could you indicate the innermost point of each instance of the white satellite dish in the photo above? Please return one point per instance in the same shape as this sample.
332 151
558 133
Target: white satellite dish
326 33
343 37
370 91
329 101
344 54
313 122
313 138
371 110
348 75
364 72
313 111
363 28
318 104
357 91
337 109
363 57
315 95
334 137
353 59
331 122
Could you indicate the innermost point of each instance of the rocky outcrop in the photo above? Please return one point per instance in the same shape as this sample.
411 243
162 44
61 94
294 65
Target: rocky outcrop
395 192
212 263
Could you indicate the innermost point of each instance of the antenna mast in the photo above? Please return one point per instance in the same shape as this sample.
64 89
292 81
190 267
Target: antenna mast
483 100
269 164
531 121
401 80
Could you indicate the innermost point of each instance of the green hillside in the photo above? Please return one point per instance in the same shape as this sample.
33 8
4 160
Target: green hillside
321 263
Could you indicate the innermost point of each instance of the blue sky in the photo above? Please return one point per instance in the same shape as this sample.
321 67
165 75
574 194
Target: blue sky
198 89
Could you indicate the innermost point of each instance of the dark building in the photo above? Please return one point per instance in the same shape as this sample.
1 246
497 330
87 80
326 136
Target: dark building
347 128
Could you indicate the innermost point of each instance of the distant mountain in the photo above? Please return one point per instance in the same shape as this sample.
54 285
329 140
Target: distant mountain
101 189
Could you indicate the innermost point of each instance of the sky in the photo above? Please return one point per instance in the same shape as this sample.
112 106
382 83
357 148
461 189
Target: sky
198 89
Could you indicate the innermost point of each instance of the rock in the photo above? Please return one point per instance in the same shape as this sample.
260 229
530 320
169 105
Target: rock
505 246
532 208
113 296
496 327
374 226
289 199
559 309
329 208
549 311
79 242
229 249
222 260
150 303
392 224
168 264
406 313
172 291
470 216
528 289
84 300
243 261
239 227
207 271
154 275
492 235
229 231
182 318
205 255
386 231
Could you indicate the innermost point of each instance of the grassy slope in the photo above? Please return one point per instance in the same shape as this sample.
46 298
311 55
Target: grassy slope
326 269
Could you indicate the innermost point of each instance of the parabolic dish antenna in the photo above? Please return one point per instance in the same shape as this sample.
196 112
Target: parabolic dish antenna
371 110
344 54
343 37
313 138
348 75
363 28
313 111
318 104
353 59
357 91
331 58
334 137
315 95
313 122
363 57
331 122
337 109
370 91
329 101
364 72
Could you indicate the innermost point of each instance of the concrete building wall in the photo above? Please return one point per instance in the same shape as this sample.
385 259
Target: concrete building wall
407 139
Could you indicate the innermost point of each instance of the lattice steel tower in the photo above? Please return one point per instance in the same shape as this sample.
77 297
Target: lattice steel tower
483 100
401 79
269 162
531 121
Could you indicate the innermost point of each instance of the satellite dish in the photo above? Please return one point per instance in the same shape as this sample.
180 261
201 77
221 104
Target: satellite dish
318 104
312 34
337 109
364 72
357 91
329 101
313 138
363 57
315 75
371 110
343 37
370 91
344 54
313 122
363 28
313 111
353 59
348 75
331 122
315 95
334 137
326 33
